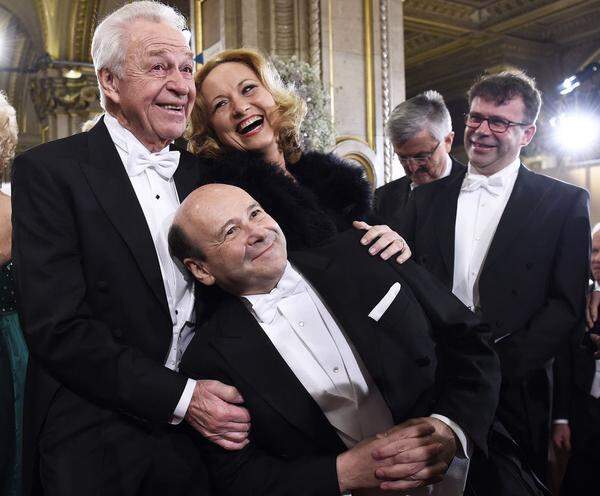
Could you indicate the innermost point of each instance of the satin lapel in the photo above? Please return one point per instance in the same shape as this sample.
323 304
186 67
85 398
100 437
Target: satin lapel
247 349
444 210
342 297
521 206
113 190
186 176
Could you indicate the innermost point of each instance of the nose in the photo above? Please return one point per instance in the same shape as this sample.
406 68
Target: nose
240 106
256 234
178 83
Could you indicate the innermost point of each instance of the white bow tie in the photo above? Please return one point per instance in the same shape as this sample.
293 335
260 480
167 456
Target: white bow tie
164 163
493 185
266 307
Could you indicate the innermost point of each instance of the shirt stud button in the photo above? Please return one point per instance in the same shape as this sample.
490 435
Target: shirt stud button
336 369
301 323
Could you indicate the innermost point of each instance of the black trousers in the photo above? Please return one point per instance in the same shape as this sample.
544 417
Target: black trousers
581 477
84 449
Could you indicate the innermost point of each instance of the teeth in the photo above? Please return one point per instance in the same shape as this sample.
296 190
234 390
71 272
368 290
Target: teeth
248 122
172 107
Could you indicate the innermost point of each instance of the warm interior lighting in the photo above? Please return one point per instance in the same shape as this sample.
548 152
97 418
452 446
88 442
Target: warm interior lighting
72 74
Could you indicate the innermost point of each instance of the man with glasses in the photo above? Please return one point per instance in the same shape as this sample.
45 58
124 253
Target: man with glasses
420 130
512 245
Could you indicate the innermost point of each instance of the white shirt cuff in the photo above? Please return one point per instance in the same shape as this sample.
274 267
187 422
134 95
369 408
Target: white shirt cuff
184 402
561 421
465 443
596 286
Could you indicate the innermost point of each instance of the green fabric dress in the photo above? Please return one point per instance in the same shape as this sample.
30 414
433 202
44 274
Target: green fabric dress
13 365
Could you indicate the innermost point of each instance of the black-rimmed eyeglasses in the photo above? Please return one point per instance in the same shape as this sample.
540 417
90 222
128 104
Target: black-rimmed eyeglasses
496 124
420 159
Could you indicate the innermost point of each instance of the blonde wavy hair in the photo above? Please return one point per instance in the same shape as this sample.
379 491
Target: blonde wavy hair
8 136
290 111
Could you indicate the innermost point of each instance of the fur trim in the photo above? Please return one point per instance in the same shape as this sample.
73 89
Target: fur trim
323 197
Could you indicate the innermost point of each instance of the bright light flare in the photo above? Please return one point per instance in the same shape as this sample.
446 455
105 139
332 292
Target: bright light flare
576 132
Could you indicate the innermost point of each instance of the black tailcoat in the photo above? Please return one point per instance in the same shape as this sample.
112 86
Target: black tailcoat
531 286
91 301
427 354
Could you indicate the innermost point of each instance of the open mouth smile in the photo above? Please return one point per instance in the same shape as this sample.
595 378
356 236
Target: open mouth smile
250 126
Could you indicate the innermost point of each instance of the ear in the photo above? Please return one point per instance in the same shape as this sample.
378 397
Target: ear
448 141
528 135
200 271
109 84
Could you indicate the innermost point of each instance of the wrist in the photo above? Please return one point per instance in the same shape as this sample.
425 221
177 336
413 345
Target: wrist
341 465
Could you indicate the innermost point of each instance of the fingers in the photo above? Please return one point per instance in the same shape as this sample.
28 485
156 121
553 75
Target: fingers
423 475
405 254
407 450
594 302
359 224
229 445
588 316
596 340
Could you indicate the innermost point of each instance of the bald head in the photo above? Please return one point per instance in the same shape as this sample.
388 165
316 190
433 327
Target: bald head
222 235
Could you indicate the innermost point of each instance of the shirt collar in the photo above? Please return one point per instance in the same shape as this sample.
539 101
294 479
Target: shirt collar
123 138
291 282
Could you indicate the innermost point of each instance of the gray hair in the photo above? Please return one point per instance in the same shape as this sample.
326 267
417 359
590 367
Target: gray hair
109 45
595 229
426 111
9 131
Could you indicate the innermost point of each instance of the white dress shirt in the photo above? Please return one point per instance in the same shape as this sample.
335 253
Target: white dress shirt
159 201
481 202
319 354
447 171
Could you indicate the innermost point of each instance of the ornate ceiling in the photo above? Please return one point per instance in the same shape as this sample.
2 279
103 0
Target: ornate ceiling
448 42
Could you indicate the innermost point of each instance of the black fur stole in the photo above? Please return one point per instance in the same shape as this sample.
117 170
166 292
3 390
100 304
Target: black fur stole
324 196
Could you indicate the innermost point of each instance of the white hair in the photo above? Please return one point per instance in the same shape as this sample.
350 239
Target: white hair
424 112
109 45
595 229
8 135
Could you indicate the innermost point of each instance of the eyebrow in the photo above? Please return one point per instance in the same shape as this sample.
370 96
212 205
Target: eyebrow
251 207
162 51
237 85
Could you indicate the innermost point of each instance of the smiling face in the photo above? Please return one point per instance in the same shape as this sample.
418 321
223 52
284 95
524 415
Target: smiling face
155 96
244 249
242 112
489 151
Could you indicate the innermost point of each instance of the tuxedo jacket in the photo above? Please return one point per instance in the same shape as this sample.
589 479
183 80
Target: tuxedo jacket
391 198
531 286
427 354
90 292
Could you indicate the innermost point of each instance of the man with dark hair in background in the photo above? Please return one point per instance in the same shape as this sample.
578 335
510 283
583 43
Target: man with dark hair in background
513 245
420 130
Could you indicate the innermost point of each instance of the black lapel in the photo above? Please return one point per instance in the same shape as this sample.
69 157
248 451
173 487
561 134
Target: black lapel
344 301
187 174
114 192
247 349
444 210
521 206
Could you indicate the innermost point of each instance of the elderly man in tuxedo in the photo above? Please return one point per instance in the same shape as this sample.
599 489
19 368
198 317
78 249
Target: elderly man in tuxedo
513 246
420 130
105 310
357 373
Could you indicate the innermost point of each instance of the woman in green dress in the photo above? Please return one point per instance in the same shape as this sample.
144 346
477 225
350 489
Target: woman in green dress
13 351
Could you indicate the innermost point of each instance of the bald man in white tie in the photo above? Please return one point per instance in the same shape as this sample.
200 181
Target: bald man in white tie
329 350
512 245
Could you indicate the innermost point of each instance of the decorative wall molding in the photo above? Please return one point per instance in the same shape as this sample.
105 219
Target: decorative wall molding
385 87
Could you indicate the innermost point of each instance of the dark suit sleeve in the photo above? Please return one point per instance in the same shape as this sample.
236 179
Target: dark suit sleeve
549 328
252 470
61 332
563 382
468 376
